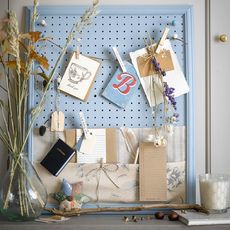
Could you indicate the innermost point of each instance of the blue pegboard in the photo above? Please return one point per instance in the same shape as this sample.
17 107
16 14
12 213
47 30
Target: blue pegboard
125 30
124 27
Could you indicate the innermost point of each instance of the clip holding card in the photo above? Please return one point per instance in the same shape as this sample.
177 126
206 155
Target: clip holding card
162 40
84 125
121 63
77 52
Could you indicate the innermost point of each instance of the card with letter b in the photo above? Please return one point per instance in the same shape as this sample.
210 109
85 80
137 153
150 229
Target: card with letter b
122 86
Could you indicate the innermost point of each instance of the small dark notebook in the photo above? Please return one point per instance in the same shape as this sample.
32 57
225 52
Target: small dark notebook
57 158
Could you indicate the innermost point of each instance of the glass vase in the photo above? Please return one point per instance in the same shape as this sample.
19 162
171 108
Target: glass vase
22 194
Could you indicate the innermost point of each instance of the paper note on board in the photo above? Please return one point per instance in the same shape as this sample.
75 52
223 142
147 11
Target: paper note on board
79 76
152 176
122 86
98 151
175 78
88 144
145 65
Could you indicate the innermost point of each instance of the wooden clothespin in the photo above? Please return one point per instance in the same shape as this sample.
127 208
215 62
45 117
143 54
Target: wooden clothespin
84 125
88 139
77 52
121 63
162 40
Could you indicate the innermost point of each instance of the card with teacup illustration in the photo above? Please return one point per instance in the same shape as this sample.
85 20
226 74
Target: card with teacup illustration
79 76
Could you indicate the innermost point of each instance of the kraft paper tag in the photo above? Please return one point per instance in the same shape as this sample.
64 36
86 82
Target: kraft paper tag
111 145
70 139
57 121
145 65
153 181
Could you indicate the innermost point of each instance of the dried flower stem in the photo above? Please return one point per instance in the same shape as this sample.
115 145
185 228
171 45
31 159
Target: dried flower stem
16 135
77 28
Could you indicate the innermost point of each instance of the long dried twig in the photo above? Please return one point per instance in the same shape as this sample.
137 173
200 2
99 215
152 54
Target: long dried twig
77 212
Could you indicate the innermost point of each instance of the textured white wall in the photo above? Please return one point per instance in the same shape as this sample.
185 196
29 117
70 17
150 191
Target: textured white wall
199 58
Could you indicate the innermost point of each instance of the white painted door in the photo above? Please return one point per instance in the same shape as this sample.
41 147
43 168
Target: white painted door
220 90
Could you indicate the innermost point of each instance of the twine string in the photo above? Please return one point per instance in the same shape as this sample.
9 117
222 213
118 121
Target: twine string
106 169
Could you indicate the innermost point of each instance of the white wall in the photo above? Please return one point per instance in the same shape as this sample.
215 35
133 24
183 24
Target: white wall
199 59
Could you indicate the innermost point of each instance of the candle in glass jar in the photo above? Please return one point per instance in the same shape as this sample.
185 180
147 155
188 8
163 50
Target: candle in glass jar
214 192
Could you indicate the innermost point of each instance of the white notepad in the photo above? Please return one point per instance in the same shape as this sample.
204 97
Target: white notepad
197 218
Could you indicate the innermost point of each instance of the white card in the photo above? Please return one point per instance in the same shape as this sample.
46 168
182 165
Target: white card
88 144
79 76
99 148
175 78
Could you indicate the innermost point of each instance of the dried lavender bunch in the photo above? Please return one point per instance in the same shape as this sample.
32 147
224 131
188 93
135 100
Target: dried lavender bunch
168 92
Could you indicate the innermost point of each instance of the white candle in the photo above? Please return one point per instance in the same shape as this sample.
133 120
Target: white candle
214 192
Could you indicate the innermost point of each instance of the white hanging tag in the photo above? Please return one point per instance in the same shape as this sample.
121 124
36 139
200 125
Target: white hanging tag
57 121
88 144
121 63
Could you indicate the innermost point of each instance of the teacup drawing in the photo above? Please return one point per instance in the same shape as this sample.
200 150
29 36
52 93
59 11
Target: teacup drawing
78 73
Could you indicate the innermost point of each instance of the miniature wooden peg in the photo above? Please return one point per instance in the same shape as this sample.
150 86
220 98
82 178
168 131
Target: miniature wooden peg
77 52
57 121
162 40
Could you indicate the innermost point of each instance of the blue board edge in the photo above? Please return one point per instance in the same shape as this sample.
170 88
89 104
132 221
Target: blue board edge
187 10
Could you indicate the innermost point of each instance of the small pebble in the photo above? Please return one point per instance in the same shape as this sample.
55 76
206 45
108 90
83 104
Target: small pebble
159 215
173 216
42 130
